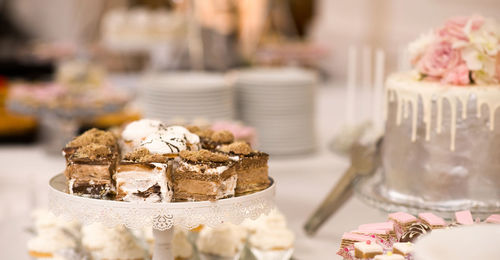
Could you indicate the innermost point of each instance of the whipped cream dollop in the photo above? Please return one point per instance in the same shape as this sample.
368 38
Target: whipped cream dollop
275 219
225 240
111 243
270 232
51 240
121 245
138 130
94 236
277 238
44 219
171 140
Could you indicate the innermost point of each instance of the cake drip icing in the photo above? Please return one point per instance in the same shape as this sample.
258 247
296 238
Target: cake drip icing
407 92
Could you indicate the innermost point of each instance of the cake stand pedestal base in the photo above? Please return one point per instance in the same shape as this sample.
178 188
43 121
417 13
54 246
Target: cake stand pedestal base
163 244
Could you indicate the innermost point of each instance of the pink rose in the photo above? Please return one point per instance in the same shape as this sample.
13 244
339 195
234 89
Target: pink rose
454 27
457 76
438 59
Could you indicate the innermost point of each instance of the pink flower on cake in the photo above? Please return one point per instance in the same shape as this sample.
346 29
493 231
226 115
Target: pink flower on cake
439 58
457 28
463 51
457 76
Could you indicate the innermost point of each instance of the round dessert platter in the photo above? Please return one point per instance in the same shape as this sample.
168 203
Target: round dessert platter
374 192
161 216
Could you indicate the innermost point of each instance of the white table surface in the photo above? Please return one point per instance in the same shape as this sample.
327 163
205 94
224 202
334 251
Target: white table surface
303 181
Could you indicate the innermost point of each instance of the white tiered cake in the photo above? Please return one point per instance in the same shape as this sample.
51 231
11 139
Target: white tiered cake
442 141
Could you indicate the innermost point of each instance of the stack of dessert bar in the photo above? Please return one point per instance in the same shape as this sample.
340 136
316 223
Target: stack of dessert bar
151 162
91 161
393 240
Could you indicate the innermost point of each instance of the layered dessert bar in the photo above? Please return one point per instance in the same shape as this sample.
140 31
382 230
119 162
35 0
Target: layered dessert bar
495 219
414 231
354 245
403 249
382 236
90 163
386 227
348 239
367 249
464 217
251 167
211 139
142 176
432 220
203 175
402 222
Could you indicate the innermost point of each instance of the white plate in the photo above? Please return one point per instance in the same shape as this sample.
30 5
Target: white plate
184 80
461 243
283 75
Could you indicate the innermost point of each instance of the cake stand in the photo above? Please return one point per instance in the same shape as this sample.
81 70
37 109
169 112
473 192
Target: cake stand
161 216
372 191
59 124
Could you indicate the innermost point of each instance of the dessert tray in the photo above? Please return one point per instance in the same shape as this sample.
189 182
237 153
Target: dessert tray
371 190
161 216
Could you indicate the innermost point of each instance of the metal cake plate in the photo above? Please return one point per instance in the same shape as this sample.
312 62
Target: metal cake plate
373 192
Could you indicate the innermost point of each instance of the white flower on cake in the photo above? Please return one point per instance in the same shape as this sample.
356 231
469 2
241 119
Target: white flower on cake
417 48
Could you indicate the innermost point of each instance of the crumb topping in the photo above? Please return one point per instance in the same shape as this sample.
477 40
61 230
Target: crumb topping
143 155
93 151
203 156
239 147
93 136
193 128
222 136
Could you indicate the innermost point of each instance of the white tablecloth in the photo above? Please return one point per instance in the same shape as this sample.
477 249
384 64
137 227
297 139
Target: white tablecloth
303 181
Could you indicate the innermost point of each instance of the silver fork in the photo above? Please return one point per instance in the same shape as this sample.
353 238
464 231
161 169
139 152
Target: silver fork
365 159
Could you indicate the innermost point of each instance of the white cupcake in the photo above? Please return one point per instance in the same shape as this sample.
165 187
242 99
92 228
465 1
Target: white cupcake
49 241
274 219
224 242
270 239
181 247
272 243
44 219
115 243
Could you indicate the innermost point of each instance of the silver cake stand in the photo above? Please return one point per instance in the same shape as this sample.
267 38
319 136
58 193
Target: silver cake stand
371 190
161 216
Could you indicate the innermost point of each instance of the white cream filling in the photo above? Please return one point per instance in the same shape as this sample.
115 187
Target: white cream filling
71 182
227 187
131 182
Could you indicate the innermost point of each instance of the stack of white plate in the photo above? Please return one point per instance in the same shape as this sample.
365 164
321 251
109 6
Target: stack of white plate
187 96
279 103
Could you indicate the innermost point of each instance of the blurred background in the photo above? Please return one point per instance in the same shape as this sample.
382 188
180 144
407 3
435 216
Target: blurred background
272 71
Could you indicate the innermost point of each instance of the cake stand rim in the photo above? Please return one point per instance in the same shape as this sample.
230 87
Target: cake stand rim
161 216
367 189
